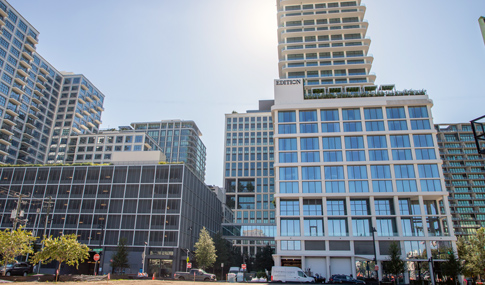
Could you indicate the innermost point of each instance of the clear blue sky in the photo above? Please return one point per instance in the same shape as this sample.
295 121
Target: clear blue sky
197 60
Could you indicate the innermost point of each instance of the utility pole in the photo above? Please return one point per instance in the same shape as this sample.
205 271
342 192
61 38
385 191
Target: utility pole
49 204
16 214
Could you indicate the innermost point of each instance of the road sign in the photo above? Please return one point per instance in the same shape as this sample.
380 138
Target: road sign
243 266
97 250
96 257
188 260
189 265
376 268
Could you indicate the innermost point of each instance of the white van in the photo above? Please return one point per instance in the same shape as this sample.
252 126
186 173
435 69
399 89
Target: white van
289 274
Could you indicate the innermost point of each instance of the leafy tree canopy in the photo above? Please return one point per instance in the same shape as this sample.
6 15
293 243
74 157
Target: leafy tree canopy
205 252
14 243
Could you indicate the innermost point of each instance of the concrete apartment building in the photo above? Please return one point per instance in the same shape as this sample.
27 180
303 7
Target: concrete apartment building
464 172
353 160
40 107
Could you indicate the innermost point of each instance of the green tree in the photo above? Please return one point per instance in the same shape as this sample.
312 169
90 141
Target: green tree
205 252
472 251
264 259
452 267
14 243
223 249
395 265
63 249
120 258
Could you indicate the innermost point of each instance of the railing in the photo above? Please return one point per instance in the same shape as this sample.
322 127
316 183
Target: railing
364 94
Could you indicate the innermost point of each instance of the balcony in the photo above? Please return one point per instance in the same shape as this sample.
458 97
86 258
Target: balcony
76 130
92 110
4 139
33 114
3 13
99 108
41 78
38 84
97 121
27 142
18 90
77 114
10 119
85 112
43 70
91 125
32 40
20 80
84 127
25 64
84 87
22 72
36 99
12 113
3 149
27 56
28 134
29 47
30 123
24 150
34 107
14 100
89 99
38 93
6 129
95 97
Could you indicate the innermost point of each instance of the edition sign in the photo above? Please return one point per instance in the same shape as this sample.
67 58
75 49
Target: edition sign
289 82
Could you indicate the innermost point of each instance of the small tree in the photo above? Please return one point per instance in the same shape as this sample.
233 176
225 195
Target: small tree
205 252
63 249
472 251
452 267
395 265
264 259
120 258
223 249
14 243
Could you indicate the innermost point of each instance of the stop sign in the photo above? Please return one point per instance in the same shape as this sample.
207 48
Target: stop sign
376 268
243 266
96 257
189 265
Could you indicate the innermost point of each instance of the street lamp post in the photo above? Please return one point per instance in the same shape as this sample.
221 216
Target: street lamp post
144 256
375 253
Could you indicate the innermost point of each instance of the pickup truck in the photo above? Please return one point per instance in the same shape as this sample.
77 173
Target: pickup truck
197 274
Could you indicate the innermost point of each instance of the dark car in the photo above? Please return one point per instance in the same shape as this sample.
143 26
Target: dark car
21 268
344 279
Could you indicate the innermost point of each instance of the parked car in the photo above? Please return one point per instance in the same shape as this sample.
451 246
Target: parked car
344 279
197 274
20 268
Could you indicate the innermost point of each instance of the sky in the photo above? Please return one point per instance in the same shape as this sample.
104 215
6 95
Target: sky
198 60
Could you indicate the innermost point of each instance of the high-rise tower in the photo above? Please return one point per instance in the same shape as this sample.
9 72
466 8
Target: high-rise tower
353 160
325 43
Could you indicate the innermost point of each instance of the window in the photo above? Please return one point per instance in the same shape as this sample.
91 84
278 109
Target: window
423 141
308 116
406 186
310 173
334 172
329 115
428 171
287 128
336 207
381 171
290 227
396 113
290 245
308 128
397 125
289 187
288 173
313 227
289 208
309 143
350 114
310 156
286 117
330 156
331 143
357 172
359 207
376 141
378 155
386 227
337 227
361 227
373 113
354 142
400 141
402 154
374 126
287 144
288 157
420 125
352 126
384 207
425 153
418 112
312 207
330 127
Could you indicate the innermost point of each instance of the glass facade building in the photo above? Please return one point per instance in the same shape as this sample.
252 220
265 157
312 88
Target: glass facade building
180 141
249 179
40 107
464 171
163 205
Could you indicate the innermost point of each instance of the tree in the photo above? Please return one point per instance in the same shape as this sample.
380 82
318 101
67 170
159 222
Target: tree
472 251
120 258
395 265
264 258
205 252
14 243
452 267
223 249
63 249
